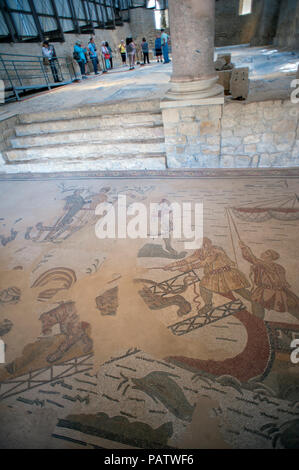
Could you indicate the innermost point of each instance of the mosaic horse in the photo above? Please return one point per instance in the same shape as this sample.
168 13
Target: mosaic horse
73 330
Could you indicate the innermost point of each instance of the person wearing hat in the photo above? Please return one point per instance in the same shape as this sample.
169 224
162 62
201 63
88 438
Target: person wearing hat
122 51
80 56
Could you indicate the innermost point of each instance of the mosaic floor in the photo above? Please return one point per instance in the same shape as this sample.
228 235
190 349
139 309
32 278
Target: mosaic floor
142 343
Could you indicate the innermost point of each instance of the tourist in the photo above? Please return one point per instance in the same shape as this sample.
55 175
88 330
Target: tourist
49 56
110 53
164 42
122 51
131 51
105 57
80 57
145 50
158 48
93 55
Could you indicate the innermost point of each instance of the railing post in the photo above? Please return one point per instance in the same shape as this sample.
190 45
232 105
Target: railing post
44 72
59 67
17 74
8 77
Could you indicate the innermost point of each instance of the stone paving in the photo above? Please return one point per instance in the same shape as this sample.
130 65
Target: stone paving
271 72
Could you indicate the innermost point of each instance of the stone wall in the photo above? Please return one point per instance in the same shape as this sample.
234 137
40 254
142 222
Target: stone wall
65 49
233 135
142 22
7 131
287 34
269 19
263 134
230 27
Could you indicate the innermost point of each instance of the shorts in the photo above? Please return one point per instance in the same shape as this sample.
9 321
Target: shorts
158 52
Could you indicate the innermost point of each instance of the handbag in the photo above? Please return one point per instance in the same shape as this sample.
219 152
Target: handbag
107 56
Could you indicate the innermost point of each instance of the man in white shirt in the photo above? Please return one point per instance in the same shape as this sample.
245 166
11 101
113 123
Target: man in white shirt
49 53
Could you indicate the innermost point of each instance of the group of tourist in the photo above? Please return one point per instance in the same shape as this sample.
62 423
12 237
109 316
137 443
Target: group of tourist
82 53
128 51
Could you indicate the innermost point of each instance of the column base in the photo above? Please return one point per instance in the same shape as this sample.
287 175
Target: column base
194 93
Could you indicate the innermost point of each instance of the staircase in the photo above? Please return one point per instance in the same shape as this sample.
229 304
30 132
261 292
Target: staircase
119 136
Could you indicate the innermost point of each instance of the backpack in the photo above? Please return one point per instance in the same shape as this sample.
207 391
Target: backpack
76 56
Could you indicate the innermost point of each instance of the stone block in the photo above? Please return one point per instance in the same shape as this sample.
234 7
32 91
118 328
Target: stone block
231 141
226 57
272 113
226 133
239 84
228 123
252 139
228 150
201 112
251 148
241 131
266 147
219 63
170 115
284 126
187 112
215 112
209 127
266 160
242 161
224 78
213 140
189 128
227 161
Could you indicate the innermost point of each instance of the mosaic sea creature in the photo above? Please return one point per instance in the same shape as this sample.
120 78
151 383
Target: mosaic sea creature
5 327
287 433
160 387
10 296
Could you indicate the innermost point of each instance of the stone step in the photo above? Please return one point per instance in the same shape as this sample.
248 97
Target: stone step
98 122
94 150
109 163
117 107
106 135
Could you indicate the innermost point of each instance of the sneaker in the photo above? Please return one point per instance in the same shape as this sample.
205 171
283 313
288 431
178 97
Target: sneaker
84 77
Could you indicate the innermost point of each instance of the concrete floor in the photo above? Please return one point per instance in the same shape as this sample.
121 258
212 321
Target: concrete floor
271 72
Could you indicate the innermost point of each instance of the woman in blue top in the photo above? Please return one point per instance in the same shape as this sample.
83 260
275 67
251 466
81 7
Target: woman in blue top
158 48
80 57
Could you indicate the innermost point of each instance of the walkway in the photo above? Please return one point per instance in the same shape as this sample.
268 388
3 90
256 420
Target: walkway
271 72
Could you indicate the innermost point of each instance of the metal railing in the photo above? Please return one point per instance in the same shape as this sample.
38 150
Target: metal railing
21 73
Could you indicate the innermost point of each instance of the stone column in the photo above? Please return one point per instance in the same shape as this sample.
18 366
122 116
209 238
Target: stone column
192 30
192 108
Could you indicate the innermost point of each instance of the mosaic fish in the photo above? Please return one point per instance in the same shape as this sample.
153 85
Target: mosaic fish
160 387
